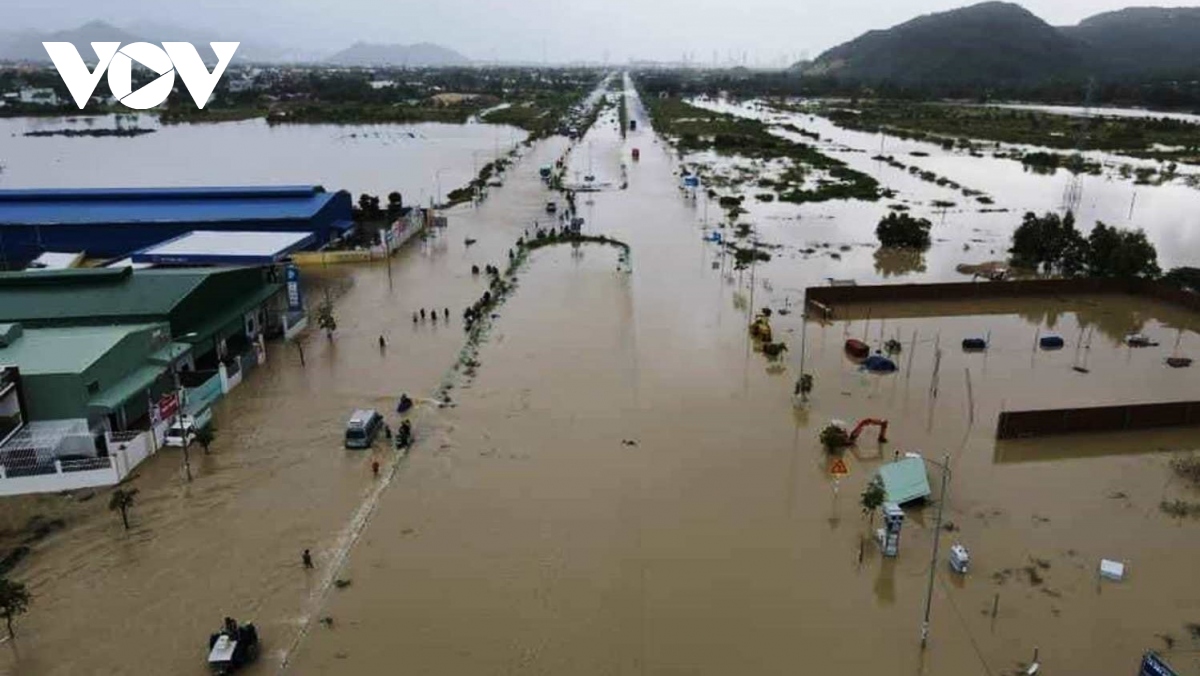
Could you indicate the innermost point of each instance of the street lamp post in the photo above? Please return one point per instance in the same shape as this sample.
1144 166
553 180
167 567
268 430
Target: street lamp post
187 461
475 189
937 535
437 184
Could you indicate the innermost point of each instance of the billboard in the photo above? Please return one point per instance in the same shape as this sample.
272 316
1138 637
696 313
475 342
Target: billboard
294 295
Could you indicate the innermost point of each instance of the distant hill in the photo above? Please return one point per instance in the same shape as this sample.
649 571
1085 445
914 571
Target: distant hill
1149 40
28 46
1003 43
993 41
421 54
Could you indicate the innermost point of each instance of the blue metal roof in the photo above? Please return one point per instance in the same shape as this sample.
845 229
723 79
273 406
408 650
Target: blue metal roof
160 205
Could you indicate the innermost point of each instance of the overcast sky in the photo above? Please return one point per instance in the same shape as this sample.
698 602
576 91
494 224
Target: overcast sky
767 32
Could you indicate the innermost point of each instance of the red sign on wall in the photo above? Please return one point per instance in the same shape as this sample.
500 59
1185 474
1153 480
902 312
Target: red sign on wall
168 405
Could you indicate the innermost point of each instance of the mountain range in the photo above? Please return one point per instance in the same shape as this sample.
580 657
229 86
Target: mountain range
1004 43
420 54
27 46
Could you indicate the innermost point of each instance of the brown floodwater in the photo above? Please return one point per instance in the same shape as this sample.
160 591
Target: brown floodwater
625 487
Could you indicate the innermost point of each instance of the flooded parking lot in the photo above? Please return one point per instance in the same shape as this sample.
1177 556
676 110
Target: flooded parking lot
625 485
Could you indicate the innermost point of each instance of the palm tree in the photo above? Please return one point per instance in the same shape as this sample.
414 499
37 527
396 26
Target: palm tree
872 498
14 601
204 436
121 501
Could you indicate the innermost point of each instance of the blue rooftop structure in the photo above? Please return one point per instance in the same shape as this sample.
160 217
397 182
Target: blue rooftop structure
110 223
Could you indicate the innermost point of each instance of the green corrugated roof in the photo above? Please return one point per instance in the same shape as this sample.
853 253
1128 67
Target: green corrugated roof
145 293
132 385
905 480
66 350
170 353
232 314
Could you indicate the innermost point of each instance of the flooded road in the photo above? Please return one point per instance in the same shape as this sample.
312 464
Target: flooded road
625 486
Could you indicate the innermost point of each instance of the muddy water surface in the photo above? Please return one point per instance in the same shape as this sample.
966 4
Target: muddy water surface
416 159
626 487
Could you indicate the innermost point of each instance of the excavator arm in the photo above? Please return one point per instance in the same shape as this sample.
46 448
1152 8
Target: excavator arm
862 424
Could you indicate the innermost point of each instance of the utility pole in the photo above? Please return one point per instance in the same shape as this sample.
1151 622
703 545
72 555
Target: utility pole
183 434
937 535
803 350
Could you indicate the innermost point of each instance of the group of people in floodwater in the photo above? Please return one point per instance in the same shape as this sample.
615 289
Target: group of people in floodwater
433 315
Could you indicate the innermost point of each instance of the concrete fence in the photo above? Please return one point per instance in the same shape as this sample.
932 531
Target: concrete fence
394 237
202 396
824 299
1047 422
126 450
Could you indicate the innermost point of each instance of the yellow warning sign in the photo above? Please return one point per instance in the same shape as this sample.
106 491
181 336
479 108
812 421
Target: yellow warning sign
838 468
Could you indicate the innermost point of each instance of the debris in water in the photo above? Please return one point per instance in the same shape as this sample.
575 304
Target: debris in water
1035 578
1112 570
341 584
628 442
327 621
1187 467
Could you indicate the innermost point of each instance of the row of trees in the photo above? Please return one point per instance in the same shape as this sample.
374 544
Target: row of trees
369 207
1150 92
1052 245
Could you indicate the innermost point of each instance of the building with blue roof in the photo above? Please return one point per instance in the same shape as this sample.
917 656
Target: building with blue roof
113 223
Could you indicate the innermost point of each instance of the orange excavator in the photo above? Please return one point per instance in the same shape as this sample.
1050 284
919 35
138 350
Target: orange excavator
862 424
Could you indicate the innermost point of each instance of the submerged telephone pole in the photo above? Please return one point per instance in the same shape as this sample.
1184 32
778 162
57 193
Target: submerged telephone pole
937 536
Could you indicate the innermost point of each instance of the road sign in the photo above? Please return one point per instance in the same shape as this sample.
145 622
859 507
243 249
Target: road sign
838 468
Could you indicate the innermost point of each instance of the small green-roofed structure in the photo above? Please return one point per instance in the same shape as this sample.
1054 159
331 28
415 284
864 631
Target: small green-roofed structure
67 350
86 372
905 480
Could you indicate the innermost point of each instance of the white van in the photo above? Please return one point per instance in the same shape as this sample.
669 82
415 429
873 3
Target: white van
362 428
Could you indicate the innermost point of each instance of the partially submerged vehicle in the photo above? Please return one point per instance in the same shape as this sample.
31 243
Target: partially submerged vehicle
233 647
362 428
857 349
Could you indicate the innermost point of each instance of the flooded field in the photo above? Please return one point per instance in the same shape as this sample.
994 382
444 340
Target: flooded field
625 487
416 159
965 231
1101 111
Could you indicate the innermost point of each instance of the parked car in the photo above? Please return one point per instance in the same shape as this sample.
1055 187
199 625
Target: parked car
182 431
